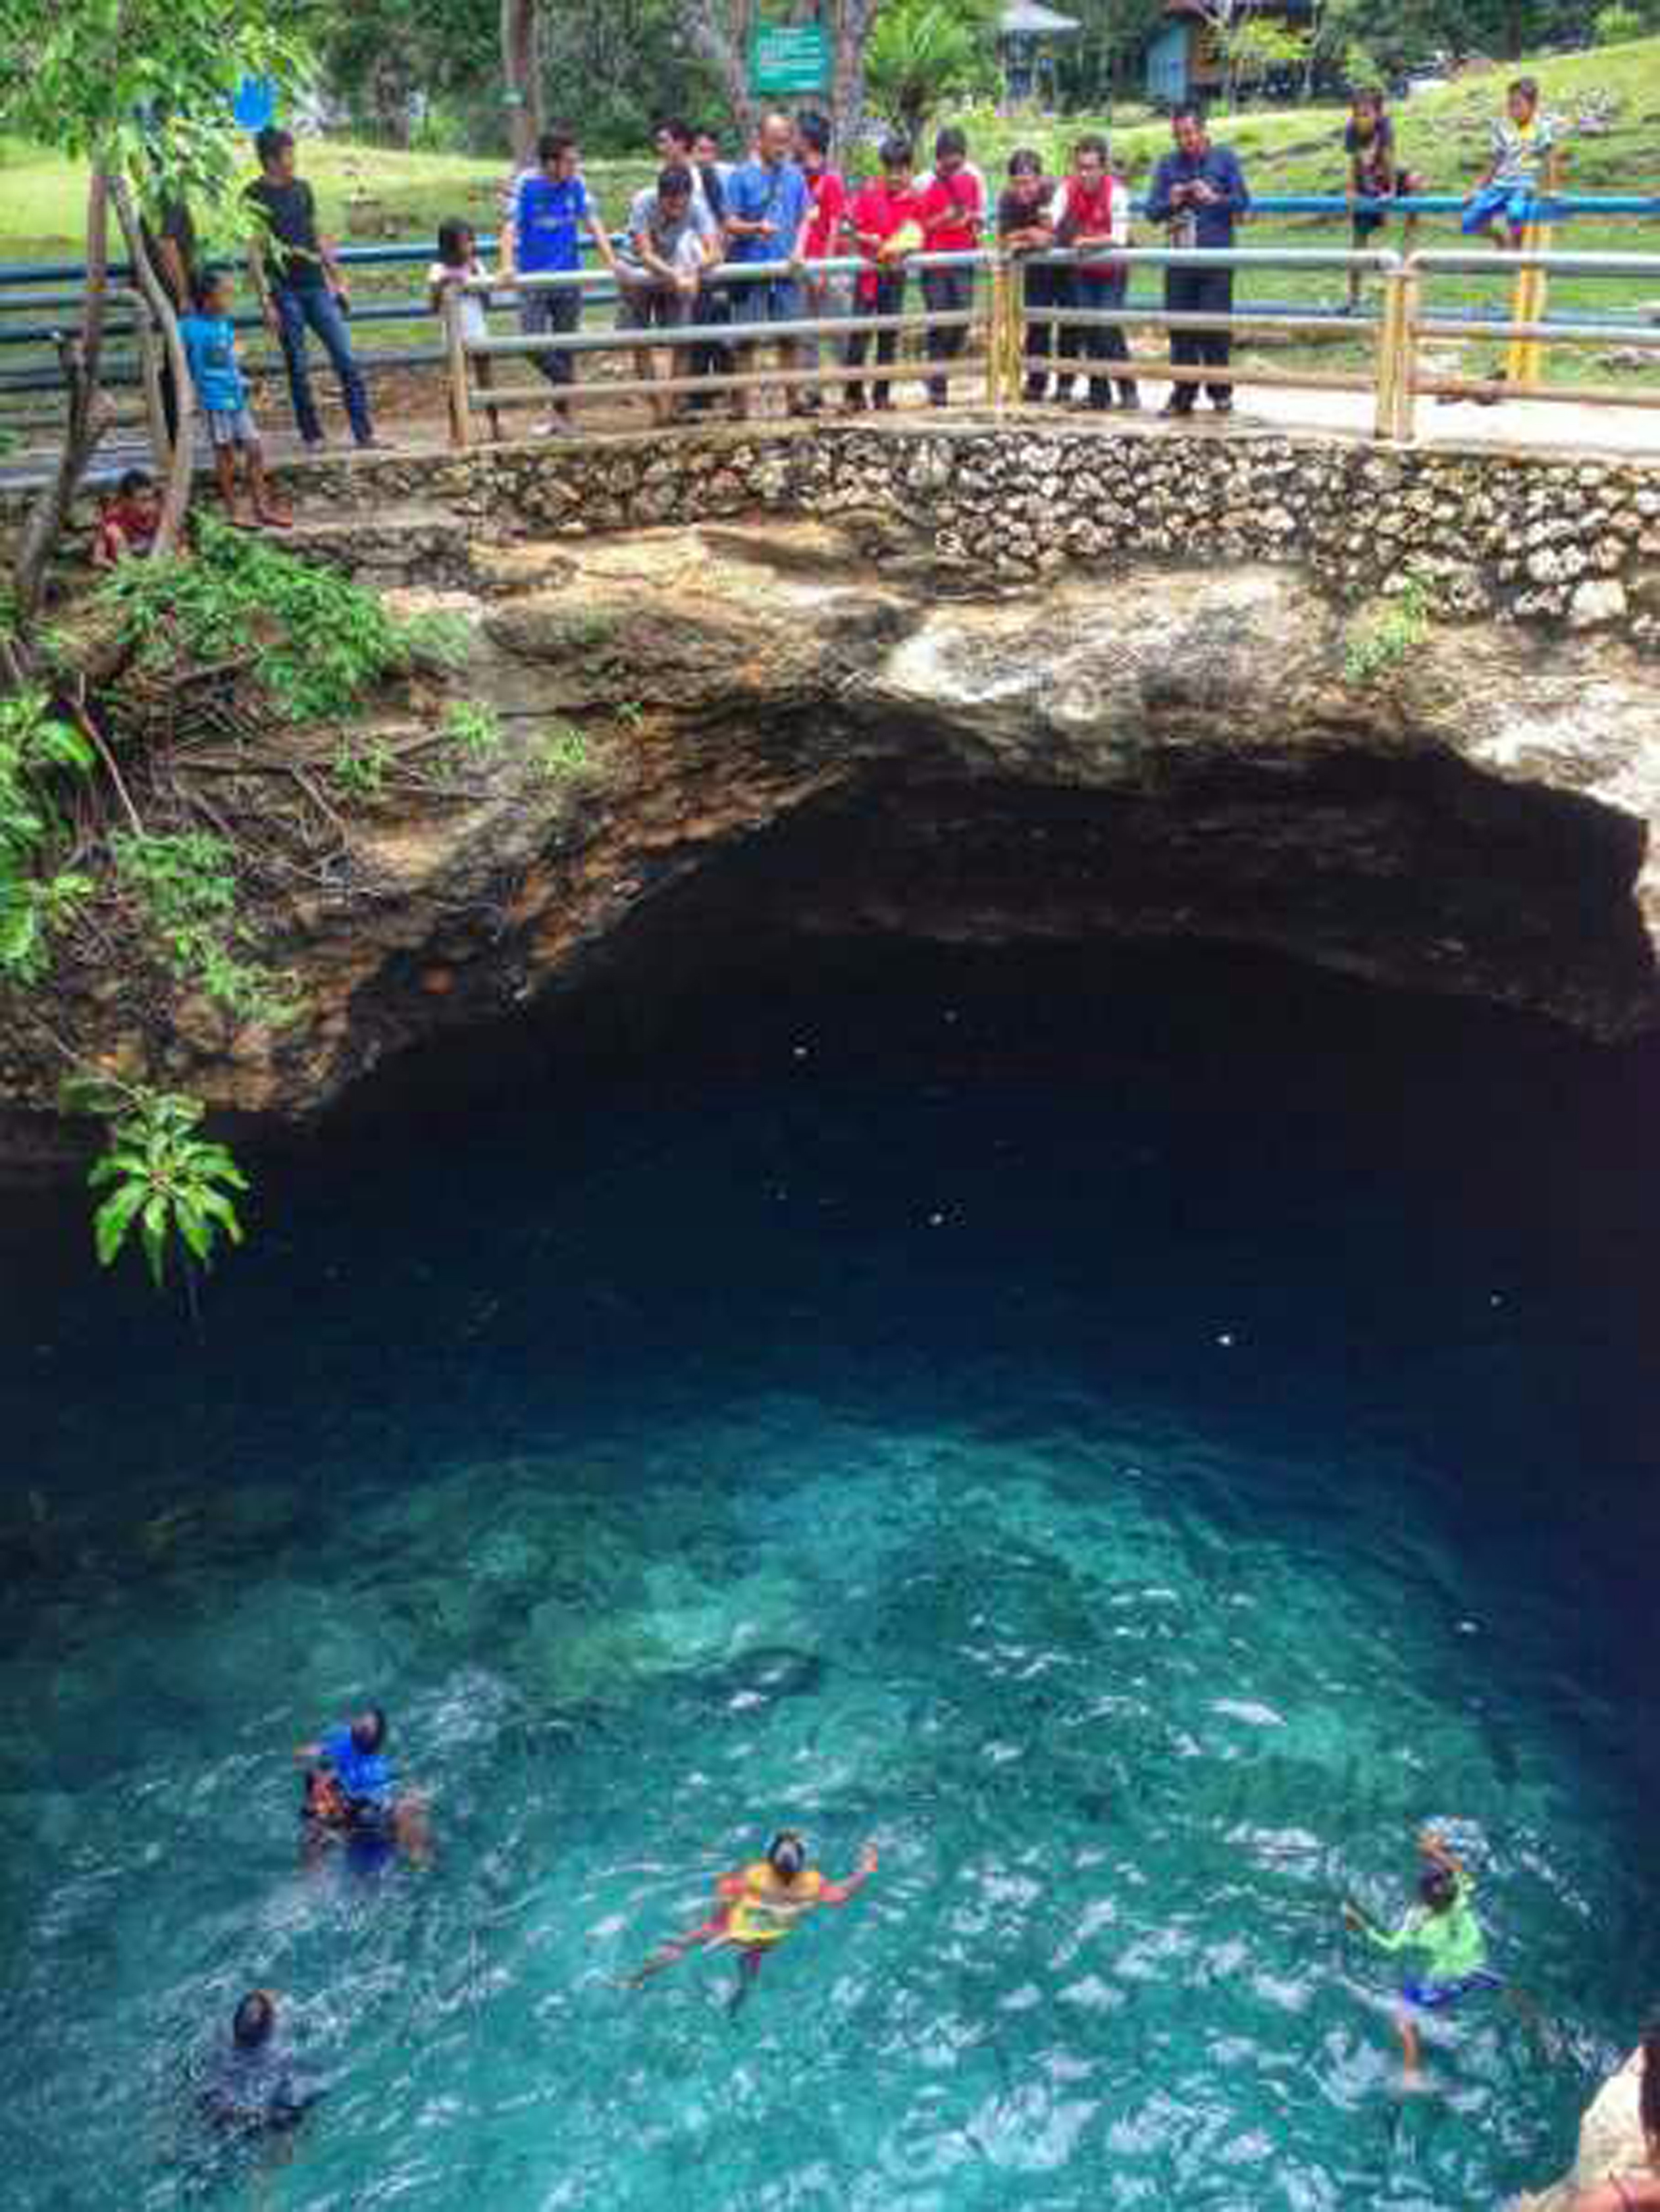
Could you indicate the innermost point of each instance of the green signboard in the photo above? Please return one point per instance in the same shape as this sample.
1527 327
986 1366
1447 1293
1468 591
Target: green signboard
789 57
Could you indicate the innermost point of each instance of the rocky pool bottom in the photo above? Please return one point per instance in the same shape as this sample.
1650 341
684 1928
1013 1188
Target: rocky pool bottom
1137 1438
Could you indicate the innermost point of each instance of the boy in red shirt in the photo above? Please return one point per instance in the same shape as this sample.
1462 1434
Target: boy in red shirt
883 216
128 522
821 235
1092 211
952 210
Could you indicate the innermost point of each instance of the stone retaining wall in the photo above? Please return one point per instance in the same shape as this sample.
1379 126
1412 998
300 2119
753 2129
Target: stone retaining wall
1528 537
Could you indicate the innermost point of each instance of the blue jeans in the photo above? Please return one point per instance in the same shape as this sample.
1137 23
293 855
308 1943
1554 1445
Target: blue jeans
1513 202
315 305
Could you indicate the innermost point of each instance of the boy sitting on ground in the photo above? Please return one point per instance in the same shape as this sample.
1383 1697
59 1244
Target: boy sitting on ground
127 522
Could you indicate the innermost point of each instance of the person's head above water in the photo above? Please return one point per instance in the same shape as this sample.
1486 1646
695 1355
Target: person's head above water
1437 1886
787 1854
253 2020
369 1731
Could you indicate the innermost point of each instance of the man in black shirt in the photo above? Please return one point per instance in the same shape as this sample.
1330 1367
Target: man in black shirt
301 285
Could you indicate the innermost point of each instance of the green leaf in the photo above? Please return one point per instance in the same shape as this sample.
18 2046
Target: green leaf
114 1218
154 1228
193 1227
219 1206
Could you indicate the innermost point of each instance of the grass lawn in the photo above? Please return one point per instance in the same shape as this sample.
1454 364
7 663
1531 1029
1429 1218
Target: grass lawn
1442 134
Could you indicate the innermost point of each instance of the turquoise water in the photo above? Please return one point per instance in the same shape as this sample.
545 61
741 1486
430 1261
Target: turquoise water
1137 1445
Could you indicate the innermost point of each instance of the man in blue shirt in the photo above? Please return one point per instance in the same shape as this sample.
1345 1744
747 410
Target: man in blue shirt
1198 191
550 207
768 207
354 1755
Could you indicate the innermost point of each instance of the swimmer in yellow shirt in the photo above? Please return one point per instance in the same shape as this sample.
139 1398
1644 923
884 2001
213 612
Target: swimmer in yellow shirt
760 1906
1443 1929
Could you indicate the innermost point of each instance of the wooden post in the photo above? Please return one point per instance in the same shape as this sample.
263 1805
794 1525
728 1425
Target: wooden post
149 374
1524 358
996 321
459 368
1015 337
1411 287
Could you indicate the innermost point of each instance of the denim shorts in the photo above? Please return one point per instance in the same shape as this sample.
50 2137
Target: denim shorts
1440 1996
230 425
1513 202
767 300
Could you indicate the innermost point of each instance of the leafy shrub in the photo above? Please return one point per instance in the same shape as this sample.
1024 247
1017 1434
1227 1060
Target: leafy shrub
1386 637
319 641
186 884
171 1184
36 748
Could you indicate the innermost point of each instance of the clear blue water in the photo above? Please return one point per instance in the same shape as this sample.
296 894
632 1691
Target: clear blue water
1137 1442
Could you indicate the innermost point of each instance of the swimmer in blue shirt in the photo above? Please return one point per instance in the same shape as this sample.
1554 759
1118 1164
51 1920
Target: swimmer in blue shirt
371 1808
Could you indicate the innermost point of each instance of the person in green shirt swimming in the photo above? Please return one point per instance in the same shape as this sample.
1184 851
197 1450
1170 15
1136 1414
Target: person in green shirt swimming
1442 1927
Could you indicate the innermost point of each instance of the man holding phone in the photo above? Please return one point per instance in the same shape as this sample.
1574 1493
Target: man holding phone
1200 192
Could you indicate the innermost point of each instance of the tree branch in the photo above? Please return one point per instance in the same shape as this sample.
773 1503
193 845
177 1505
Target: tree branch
83 366
170 529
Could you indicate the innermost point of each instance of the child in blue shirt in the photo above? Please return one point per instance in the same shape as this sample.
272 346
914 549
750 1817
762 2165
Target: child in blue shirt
210 343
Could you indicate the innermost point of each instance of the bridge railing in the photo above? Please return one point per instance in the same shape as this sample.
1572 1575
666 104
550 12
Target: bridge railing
1526 332
732 342
38 304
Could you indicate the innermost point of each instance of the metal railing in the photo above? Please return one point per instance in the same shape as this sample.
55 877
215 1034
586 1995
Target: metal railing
470 394
990 331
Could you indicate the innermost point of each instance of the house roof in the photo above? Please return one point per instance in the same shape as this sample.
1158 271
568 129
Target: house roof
1023 19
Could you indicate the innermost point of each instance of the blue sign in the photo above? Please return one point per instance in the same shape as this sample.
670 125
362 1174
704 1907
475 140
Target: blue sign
255 102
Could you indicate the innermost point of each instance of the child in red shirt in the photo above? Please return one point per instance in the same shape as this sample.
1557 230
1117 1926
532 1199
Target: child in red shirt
953 207
883 220
821 235
127 523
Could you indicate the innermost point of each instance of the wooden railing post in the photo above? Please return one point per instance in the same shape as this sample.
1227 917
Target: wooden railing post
1409 287
996 324
1388 362
459 364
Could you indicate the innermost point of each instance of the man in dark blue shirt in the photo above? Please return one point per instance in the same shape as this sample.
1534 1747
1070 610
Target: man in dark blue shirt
1198 191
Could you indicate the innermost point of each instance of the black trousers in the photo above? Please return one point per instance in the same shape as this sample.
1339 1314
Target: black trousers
1200 292
1098 289
890 300
1042 287
947 291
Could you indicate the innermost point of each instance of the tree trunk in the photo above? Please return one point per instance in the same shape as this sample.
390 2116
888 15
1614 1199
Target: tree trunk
849 24
84 368
521 78
719 30
175 502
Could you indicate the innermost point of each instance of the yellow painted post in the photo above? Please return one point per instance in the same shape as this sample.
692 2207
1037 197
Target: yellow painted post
1525 357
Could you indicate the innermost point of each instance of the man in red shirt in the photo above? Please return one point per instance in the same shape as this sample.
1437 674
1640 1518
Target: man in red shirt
1091 212
821 235
884 214
953 207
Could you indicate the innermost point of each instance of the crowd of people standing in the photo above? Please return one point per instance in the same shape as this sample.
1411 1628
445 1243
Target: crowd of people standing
741 252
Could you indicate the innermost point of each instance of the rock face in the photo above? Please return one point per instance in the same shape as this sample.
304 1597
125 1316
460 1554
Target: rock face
848 723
